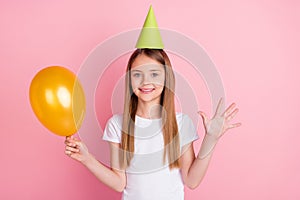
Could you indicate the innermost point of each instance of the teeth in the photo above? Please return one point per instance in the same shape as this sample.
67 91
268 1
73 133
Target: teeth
146 90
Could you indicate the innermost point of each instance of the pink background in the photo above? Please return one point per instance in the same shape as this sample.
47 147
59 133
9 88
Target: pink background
254 44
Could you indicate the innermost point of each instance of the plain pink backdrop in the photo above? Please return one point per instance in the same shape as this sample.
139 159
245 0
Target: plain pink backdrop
254 44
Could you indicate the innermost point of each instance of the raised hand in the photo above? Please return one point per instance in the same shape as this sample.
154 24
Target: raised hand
219 123
216 127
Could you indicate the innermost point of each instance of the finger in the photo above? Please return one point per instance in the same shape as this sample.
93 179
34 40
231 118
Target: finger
71 144
231 115
74 156
71 149
67 140
234 125
69 137
204 117
228 110
76 139
68 152
73 140
78 143
219 107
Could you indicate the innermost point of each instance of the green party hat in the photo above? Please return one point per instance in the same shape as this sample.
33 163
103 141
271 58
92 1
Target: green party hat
150 37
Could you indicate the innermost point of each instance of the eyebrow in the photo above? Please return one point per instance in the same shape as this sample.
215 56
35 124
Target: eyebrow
152 70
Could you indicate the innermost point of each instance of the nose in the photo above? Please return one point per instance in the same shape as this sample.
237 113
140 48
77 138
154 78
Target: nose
146 79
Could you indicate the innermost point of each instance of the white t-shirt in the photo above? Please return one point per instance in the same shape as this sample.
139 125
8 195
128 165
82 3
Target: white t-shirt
148 177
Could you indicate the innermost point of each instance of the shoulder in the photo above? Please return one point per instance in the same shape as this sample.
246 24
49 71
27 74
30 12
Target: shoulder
182 117
116 119
113 129
184 122
187 130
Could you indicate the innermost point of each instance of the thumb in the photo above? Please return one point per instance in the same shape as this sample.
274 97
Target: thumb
204 117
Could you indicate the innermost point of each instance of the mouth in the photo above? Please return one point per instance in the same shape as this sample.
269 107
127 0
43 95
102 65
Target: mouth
146 90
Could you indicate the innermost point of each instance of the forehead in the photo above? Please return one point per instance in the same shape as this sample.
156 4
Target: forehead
143 62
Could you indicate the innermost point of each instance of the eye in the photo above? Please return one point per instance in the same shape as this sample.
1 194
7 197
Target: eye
136 75
154 74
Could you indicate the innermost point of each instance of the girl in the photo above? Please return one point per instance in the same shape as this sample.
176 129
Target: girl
152 155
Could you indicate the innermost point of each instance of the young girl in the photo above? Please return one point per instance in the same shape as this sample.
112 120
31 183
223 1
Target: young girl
152 155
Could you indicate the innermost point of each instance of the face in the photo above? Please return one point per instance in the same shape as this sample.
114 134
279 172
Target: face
147 79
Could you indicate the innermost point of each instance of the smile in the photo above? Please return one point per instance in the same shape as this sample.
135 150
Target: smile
146 90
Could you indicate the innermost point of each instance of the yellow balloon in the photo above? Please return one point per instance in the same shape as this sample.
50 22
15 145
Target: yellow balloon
57 99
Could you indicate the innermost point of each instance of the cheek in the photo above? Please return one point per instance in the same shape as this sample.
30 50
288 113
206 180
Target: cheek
159 85
159 90
160 82
134 84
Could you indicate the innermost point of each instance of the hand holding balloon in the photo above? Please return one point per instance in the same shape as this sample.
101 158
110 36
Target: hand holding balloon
57 99
76 149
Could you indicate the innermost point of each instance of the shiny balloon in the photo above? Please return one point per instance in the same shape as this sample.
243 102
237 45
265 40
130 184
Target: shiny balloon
57 99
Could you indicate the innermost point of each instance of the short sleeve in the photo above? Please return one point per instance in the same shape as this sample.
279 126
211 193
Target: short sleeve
113 129
188 132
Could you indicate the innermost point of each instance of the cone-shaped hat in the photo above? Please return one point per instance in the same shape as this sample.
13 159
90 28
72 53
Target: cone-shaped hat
150 37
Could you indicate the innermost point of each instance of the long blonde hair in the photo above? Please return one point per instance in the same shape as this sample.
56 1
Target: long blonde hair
170 128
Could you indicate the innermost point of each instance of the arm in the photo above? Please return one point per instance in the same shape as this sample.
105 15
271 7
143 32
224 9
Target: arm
194 169
113 177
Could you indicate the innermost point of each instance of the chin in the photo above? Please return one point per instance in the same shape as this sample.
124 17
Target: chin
149 98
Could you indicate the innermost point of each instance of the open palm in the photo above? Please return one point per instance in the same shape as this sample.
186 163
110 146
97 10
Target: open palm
219 123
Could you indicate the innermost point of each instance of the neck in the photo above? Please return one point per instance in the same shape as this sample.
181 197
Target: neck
149 110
